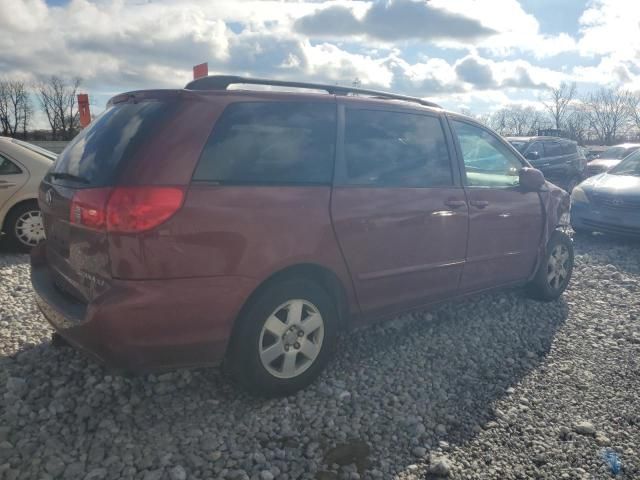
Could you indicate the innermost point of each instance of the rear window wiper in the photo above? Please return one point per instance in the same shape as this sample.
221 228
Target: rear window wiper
69 176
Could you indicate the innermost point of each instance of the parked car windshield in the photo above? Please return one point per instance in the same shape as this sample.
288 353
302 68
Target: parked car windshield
629 166
616 152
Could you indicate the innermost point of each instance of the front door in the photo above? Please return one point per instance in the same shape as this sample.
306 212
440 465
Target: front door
505 222
400 219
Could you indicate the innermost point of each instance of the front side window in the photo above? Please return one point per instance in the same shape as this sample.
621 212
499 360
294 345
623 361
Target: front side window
271 143
7 167
487 162
536 147
394 149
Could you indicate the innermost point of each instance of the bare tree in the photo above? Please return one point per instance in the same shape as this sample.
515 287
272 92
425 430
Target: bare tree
609 113
521 120
15 107
557 102
634 110
577 124
498 121
58 101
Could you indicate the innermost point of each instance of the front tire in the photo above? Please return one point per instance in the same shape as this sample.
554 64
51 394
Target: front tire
555 269
284 338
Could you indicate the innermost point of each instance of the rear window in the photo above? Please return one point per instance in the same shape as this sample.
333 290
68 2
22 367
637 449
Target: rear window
569 148
395 149
271 143
552 149
111 140
7 167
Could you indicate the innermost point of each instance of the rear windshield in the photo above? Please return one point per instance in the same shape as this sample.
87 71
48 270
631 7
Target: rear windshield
94 156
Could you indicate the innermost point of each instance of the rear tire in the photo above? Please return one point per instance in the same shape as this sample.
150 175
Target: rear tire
555 269
23 226
284 338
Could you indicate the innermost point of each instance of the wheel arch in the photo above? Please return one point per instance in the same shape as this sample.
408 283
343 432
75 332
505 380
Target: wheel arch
323 276
12 208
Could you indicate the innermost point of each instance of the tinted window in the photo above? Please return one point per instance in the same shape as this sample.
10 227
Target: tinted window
395 149
268 142
552 149
519 145
7 167
569 148
111 140
487 161
536 147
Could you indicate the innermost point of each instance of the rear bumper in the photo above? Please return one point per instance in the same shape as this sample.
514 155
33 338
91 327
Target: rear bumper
606 220
146 325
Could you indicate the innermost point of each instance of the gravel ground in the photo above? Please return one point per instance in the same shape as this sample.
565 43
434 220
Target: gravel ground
496 386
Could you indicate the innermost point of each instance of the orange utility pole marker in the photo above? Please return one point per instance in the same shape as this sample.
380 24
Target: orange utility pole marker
83 108
201 70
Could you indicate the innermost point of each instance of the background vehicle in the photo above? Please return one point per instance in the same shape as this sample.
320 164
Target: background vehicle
610 158
22 167
558 158
251 226
609 202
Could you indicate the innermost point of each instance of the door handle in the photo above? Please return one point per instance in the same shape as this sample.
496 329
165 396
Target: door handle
6 184
479 203
455 203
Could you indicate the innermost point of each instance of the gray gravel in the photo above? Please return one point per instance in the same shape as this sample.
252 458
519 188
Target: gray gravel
496 386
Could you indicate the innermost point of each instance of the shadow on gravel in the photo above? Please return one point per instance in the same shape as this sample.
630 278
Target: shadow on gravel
399 387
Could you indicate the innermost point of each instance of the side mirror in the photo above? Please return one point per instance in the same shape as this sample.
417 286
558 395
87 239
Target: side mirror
532 156
531 179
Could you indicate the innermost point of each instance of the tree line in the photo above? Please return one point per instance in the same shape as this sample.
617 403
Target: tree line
605 116
57 99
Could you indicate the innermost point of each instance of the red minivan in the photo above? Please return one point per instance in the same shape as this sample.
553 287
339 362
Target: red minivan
191 227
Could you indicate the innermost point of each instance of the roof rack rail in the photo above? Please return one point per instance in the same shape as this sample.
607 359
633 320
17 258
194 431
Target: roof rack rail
221 82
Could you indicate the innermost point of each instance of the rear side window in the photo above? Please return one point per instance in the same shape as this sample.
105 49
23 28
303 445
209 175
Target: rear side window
111 140
271 143
395 149
7 167
569 148
552 149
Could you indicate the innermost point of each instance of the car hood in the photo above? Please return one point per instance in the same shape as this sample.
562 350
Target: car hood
627 185
605 162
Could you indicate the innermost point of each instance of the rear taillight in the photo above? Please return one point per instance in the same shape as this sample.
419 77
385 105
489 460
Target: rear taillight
125 209
89 208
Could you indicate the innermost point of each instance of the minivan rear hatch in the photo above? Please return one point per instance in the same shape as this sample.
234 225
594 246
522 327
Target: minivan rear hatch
74 193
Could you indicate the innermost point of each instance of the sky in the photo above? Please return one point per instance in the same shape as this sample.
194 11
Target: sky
464 54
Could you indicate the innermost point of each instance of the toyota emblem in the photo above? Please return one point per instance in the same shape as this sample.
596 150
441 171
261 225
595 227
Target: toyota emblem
49 196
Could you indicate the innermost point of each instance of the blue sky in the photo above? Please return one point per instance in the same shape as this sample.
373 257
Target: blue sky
473 54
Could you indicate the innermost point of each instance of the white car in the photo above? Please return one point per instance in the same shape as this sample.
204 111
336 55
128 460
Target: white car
22 168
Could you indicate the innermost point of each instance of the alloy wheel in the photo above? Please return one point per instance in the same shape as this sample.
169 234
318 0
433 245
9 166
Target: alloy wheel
558 267
291 338
29 229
